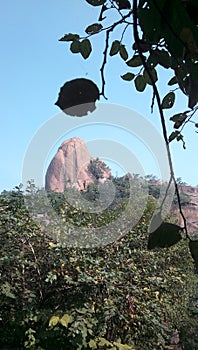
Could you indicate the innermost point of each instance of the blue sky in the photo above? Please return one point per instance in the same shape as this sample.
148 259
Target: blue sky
34 65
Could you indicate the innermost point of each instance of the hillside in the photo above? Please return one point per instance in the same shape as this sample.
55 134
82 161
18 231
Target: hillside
74 167
190 210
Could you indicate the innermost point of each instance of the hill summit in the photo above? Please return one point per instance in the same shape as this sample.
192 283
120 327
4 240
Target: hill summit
72 166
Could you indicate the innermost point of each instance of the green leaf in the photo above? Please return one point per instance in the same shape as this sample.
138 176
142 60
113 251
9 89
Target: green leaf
193 246
66 319
128 76
53 321
93 28
6 290
168 100
147 77
69 37
96 2
173 135
75 46
85 48
123 53
92 344
135 61
172 81
103 342
120 346
140 83
115 48
164 236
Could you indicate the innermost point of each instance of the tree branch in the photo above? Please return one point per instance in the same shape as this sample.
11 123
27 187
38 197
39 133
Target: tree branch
162 119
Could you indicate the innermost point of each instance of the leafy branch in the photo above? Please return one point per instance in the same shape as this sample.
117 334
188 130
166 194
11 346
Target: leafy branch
169 39
159 104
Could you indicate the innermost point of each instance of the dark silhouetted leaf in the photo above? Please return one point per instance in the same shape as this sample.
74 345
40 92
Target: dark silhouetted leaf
163 58
173 135
128 76
193 96
115 48
143 45
96 2
168 100
147 77
140 83
93 28
193 245
135 61
75 46
178 119
123 4
181 138
69 37
164 236
172 81
85 48
123 52
77 97
152 60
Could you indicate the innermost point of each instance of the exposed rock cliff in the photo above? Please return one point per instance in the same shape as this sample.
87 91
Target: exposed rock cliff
191 210
69 167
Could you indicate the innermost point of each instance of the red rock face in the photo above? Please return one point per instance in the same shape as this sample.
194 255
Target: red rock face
190 211
69 167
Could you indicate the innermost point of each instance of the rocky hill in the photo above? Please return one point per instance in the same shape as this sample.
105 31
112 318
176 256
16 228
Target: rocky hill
70 167
73 167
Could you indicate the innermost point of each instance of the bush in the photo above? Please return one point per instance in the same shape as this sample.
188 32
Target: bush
120 296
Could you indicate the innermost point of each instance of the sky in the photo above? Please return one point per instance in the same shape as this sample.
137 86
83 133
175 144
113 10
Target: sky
34 65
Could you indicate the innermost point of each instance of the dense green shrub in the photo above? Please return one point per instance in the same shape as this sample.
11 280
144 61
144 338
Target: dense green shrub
120 296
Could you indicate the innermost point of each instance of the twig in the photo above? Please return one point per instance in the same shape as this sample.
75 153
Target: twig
189 118
104 64
108 31
37 268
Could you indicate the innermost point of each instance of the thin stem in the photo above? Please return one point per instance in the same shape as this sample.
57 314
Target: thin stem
108 31
37 268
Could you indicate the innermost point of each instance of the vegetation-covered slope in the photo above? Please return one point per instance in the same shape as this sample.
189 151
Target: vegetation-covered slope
53 296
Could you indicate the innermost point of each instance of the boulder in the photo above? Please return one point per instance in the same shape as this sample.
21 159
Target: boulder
69 167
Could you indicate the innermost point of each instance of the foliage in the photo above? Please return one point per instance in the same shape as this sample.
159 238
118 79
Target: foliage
168 39
97 168
117 296
165 35
78 91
